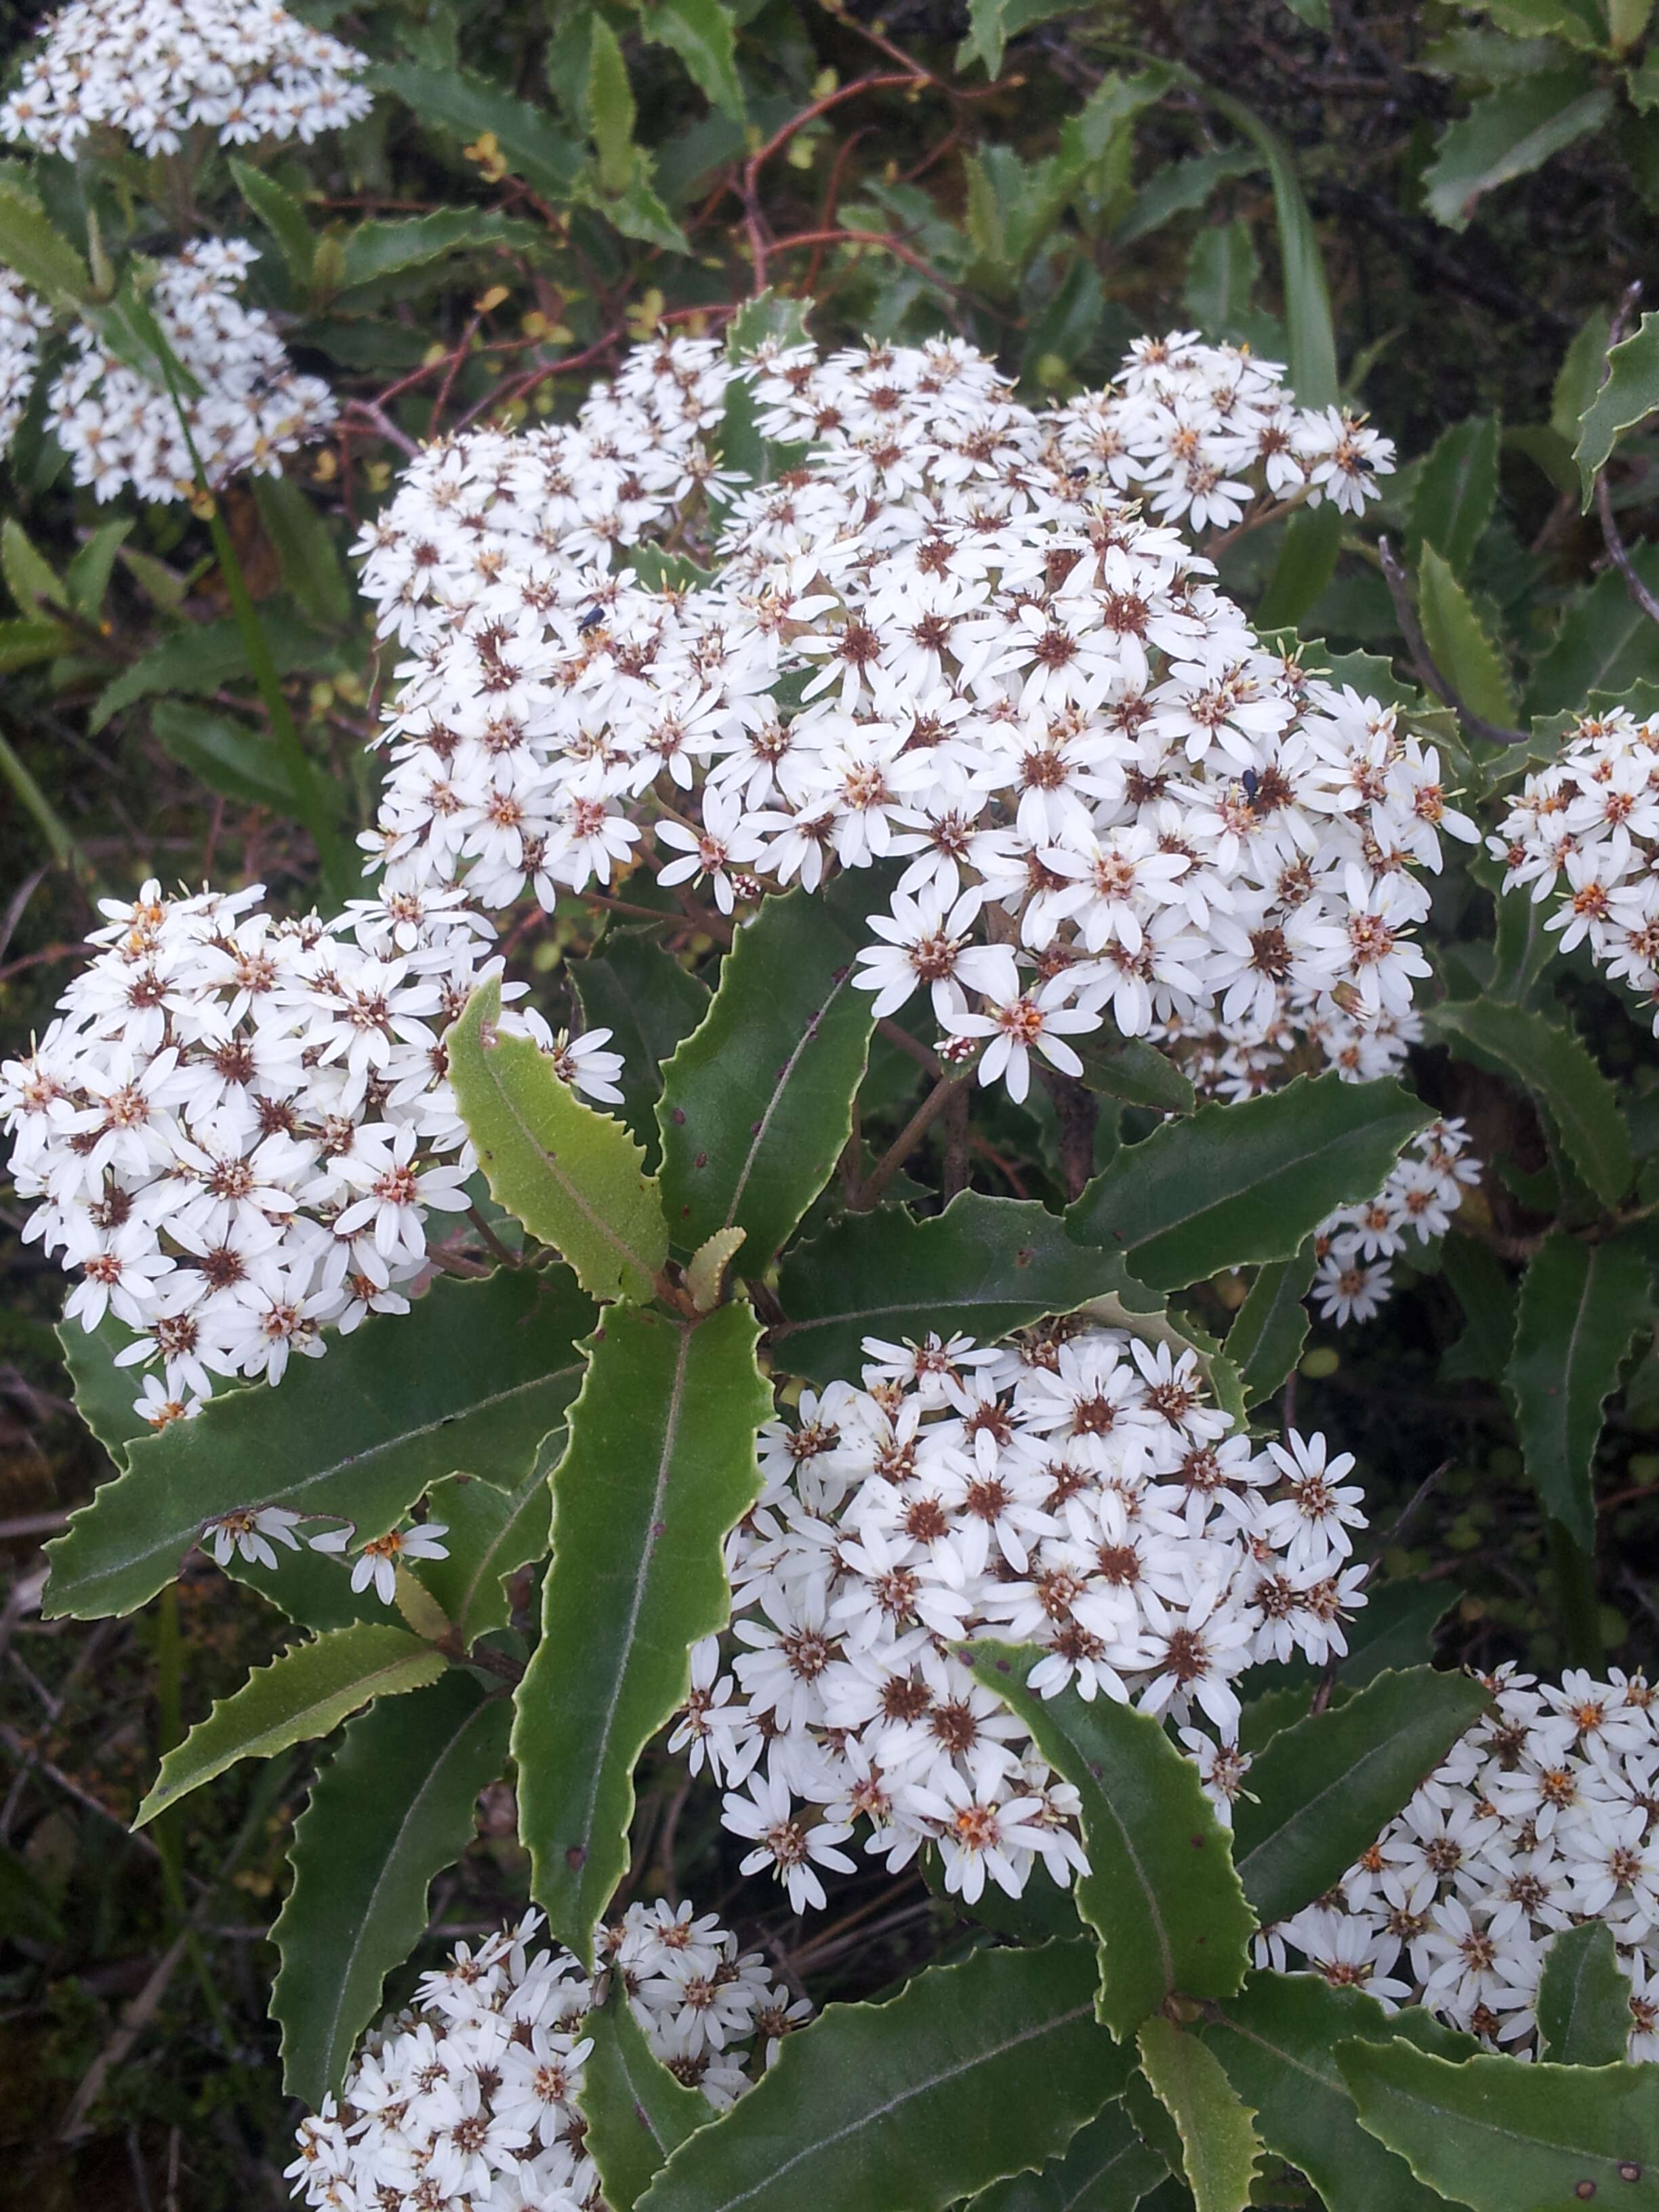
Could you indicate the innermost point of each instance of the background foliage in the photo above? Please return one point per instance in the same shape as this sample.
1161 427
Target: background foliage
1434 210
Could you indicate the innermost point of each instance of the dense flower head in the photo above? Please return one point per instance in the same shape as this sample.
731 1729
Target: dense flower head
1592 818
467 2101
24 321
237 1126
1545 1814
940 642
121 430
1355 1245
155 70
1075 1488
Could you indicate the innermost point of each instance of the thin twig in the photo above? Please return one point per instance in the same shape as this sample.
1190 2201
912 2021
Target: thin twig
1422 661
906 1141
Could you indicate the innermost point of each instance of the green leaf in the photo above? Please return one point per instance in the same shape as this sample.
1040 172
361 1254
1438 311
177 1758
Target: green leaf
1306 563
229 755
201 658
571 1176
1509 132
1307 297
611 108
24 643
1277 2039
1580 1304
636 2112
1222 271
757 1103
376 250
1583 1998
1480 1286
473 1376
492 1533
1105 2168
1629 396
1322 1791
469 107
1455 492
659 1466
283 216
1161 1890
391 1809
105 1394
1180 186
703 35
1577 22
1465 656
1549 1061
306 1692
1605 642
1247 1183
305 547
1220 2149
1271 1326
986 1265
1131 1069
88 574
32 581
972 2072
1505 2137
1579 377
649 1002
41 256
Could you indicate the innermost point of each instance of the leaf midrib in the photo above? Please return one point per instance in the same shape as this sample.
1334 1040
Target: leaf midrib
874 2114
781 1085
182 1536
641 1576
645 1269
356 1943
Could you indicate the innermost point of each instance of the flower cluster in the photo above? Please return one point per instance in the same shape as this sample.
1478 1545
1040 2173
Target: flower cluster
1592 815
1071 1489
24 320
1542 1816
939 638
1206 432
467 2102
237 1126
1355 1244
156 70
120 428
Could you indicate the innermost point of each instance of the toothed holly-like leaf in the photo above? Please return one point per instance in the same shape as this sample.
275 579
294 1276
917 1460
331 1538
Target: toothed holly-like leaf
305 1693
1105 2168
757 1101
985 1266
1583 1998
391 1809
636 2112
1323 1790
572 1175
1233 1184
1501 2137
1160 1891
471 1378
1579 1306
1549 1061
659 1466
972 2072
1271 1326
1277 2038
1220 2149
648 1002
